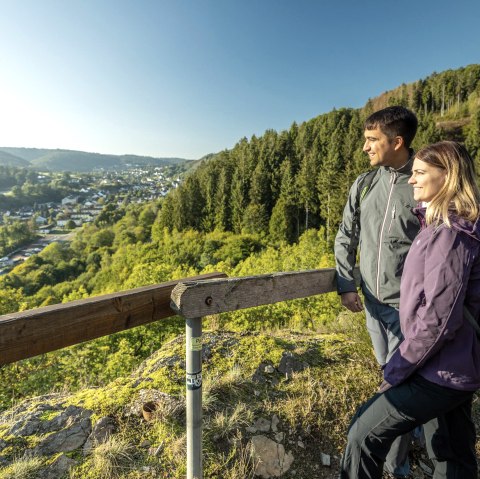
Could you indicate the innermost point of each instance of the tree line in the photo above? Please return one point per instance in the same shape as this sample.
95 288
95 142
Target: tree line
281 184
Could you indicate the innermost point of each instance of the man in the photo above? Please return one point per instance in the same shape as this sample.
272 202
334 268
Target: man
384 233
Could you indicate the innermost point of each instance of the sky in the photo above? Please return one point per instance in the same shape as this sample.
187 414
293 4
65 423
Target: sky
184 78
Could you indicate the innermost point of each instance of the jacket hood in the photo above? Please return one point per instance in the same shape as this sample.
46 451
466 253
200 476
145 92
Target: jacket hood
458 223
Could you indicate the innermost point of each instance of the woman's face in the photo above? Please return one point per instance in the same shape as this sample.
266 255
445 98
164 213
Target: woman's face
427 180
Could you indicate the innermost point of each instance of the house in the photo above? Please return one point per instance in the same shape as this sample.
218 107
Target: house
40 220
70 200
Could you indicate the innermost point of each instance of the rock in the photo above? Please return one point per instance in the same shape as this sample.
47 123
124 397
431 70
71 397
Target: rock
280 436
101 431
259 374
262 424
67 439
290 364
59 468
269 369
270 458
275 422
30 422
325 458
301 444
58 428
66 430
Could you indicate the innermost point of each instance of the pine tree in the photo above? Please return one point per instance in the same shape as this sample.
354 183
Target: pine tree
283 225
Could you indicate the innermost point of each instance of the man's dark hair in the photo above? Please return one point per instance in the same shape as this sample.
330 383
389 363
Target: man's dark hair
394 121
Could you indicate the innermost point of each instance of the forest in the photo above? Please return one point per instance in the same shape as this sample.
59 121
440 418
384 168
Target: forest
282 184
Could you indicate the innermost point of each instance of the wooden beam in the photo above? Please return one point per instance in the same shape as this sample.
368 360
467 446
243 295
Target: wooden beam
200 298
38 331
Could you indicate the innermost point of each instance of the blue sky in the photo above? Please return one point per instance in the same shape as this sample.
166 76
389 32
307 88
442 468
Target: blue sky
185 78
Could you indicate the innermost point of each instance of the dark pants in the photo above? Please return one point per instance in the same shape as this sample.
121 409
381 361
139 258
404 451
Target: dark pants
383 325
449 430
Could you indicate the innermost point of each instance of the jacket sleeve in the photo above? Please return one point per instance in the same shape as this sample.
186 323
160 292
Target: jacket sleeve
344 258
439 311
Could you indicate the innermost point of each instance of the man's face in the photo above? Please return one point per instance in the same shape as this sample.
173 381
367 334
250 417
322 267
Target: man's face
378 147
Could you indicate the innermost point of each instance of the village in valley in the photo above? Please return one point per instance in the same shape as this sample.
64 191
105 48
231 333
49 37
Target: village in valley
88 195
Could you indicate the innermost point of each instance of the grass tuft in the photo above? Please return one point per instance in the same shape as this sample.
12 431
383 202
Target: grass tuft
111 459
25 468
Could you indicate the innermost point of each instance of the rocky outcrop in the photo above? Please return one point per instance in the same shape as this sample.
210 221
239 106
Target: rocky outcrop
64 433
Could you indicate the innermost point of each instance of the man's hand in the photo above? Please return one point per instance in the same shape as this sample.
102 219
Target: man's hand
352 301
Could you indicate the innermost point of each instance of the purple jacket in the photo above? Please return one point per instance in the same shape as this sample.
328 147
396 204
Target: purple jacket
441 274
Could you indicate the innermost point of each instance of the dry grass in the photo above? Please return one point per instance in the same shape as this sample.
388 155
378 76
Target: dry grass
242 464
25 468
224 423
228 387
113 458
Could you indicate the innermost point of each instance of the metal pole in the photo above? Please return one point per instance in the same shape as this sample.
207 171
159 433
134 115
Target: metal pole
194 397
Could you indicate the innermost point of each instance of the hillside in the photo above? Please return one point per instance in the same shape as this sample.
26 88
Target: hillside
7 159
71 160
295 391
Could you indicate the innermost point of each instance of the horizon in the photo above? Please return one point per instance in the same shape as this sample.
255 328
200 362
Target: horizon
188 79
91 152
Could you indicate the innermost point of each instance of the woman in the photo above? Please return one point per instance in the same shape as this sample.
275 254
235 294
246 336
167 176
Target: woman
431 378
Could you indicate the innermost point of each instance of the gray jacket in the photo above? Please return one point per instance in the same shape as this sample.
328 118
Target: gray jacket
387 229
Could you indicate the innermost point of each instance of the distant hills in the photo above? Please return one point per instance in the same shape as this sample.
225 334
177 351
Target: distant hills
8 159
71 160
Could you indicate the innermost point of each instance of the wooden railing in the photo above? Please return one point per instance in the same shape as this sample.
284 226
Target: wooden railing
37 331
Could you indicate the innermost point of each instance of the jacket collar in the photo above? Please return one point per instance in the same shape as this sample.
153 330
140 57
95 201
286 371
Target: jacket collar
405 169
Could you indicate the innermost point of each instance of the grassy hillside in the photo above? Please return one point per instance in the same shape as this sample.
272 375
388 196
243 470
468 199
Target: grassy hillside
306 384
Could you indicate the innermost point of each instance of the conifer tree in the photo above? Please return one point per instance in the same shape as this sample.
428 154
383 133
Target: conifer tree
222 200
284 225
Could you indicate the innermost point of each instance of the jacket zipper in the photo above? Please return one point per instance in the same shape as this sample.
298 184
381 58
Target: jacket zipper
393 178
